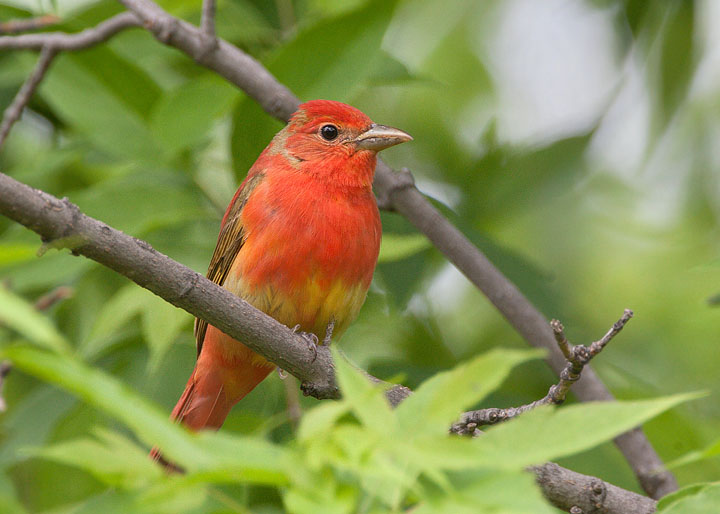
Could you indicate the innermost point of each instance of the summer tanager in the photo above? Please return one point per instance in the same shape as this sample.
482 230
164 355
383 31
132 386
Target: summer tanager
299 241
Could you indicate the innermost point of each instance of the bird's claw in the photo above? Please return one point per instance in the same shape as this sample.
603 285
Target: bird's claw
311 340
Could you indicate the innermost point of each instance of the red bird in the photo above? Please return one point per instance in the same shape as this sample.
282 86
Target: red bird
299 241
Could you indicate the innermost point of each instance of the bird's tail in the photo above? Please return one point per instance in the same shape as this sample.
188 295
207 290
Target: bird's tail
216 384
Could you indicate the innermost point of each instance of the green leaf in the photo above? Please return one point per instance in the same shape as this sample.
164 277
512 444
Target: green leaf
712 450
183 117
22 317
332 58
438 401
127 303
110 456
496 491
142 201
148 422
243 24
8 498
46 273
12 253
122 77
242 459
676 66
389 70
333 8
252 130
395 247
697 499
161 322
689 490
182 494
108 502
548 433
83 101
367 400
21 428
212 456
318 421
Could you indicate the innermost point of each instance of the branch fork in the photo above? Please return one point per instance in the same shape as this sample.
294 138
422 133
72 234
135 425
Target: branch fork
577 357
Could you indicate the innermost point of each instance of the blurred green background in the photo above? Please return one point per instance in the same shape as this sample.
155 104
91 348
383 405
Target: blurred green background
576 142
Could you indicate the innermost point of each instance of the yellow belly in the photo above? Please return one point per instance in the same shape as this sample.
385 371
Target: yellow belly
310 306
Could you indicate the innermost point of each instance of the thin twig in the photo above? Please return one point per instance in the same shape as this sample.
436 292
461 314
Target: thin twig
14 110
559 333
63 41
577 358
207 22
56 295
28 24
597 346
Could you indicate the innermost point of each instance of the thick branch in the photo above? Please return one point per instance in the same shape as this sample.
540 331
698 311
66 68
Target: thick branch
60 221
225 59
63 41
15 109
567 489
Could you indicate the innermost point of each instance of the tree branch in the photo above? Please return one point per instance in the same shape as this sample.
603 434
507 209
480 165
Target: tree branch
63 41
60 222
15 109
207 21
576 359
567 489
225 59
28 24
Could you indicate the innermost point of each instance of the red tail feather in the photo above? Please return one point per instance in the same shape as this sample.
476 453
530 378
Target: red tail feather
217 383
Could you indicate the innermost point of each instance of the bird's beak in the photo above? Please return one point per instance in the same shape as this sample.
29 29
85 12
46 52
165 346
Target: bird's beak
379 137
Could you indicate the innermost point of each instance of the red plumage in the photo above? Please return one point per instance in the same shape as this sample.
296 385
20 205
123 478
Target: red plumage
299 241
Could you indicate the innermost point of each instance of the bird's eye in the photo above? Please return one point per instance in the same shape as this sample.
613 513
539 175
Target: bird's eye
329 132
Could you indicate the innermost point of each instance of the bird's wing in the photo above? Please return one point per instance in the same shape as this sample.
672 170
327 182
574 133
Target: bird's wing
230 240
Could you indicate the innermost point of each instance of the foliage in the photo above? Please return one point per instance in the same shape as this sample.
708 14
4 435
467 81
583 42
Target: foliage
582 161
356 454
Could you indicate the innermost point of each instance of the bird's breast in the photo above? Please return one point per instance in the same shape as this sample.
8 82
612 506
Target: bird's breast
310 252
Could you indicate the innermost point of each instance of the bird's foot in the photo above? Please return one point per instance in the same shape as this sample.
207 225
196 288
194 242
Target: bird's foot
311 340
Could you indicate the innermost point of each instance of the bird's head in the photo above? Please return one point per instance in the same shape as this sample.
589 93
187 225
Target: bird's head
331 137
